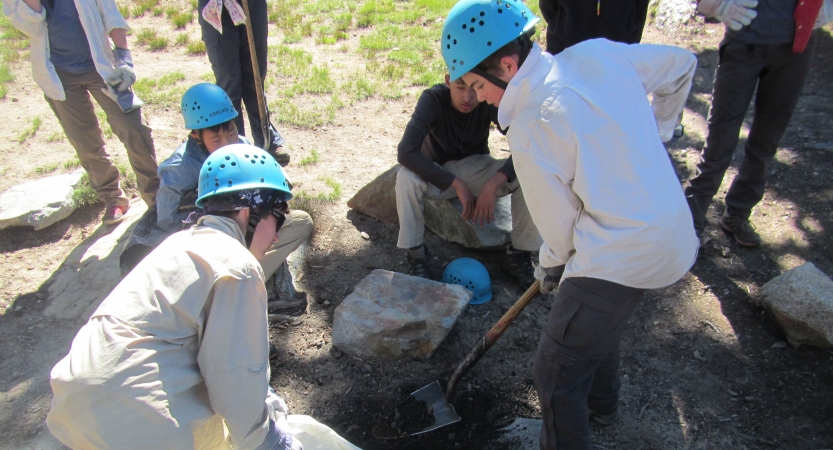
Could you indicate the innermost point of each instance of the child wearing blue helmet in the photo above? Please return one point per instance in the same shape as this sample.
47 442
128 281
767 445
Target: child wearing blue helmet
177 355
588 151
210 115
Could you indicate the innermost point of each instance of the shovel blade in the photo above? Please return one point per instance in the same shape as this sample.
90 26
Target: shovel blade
444 413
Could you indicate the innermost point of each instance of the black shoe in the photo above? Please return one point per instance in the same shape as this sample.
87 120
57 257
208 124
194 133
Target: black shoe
742 229
419 267
604 419
281 158
519 264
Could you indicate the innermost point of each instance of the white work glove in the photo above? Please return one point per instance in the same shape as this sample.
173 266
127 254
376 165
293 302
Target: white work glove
734 13
123 76
549 277
278 411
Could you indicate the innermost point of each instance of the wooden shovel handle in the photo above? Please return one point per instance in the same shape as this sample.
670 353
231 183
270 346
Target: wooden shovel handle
491 337
261 96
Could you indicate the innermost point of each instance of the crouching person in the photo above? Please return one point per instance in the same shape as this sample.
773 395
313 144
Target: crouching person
177 355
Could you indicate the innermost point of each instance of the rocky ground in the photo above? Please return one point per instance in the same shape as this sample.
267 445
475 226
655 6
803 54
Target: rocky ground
704 366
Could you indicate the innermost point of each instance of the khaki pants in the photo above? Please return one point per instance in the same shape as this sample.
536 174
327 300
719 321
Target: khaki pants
293 233
474 171
77 117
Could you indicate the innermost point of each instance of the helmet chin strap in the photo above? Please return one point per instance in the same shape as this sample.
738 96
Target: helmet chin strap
490 78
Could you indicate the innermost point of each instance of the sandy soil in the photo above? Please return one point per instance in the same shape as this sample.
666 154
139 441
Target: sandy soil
704 367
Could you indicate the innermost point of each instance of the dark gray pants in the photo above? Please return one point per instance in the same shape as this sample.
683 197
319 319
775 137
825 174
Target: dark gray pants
231 62
577 363
779 75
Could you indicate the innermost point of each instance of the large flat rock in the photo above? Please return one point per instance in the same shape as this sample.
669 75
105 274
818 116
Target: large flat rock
39 203
377 199
801 300
390 315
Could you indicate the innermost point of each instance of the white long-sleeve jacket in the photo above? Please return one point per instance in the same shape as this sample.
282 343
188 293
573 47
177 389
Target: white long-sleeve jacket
98 17
595 174
179 348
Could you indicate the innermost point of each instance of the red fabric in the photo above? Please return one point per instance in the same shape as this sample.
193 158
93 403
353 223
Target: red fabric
806 13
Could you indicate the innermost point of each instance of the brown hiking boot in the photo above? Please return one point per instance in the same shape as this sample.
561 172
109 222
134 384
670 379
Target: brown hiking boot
742 229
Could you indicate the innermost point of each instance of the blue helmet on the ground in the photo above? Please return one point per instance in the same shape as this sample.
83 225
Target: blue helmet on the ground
240 167
475 29
472 275
205 105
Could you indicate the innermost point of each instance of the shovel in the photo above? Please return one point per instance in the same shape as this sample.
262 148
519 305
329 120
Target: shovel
433 395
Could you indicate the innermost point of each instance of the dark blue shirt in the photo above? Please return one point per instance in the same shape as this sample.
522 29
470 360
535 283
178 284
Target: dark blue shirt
774 25
68 47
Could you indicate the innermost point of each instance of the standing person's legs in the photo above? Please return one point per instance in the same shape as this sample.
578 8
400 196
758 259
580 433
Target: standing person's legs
778 91
77 117
576 364
132 130
224 55
734 83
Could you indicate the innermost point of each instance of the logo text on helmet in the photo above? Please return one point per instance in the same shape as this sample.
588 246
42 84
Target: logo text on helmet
219 111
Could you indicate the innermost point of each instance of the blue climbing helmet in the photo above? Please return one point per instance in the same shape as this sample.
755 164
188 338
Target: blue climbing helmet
241 167
475 29
472 275
205 105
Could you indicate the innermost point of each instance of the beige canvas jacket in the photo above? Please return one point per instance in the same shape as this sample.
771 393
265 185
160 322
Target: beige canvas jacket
179 348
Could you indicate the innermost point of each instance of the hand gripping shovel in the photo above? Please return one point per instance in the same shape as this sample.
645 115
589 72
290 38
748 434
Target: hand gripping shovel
433 395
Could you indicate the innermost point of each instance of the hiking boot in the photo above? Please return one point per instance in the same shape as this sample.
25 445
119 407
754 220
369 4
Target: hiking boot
519 264
418 267
114 214
742 229
604 419
293 307
280 157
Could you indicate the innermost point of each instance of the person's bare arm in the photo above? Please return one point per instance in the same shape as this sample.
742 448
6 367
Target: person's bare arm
484 211
118 35
34 4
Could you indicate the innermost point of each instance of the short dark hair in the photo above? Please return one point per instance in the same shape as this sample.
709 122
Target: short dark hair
516 47
225 126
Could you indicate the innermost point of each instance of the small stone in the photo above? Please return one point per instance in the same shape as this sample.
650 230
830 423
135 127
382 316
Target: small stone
780 344
16 375
698 356
732 393
327 303
365 236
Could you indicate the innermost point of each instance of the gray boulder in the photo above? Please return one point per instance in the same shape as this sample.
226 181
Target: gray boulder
390 315
673 15
39 203
801 300
378 200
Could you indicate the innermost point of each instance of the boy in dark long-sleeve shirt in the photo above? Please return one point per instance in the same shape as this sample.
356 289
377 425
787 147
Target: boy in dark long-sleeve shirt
444 154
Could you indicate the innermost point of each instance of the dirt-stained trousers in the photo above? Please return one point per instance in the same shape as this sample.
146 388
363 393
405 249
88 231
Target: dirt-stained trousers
294 232
779 75
474 170
77 117
576 365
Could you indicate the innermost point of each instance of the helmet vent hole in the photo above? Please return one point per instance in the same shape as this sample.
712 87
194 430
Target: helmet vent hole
233 164
261 179
449 36
245 156
455 42
517 24
481 23
473 20
209 169
448 46
482 13
230 183
254 162
222 166
198 107
263 162
489 44
500 11
471 29
228 158
464 26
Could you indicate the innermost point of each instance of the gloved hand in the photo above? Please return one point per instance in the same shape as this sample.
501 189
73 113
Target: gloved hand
549 277
123 76
734 13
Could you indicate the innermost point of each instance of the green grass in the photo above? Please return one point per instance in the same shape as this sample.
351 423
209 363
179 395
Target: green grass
182 40
14 42
106 130
181 19
195 47
164 91
313 203
158 43
145 35
49 168
157 11
84 194
126 176
33 128
124 10
71 164
55 137
313 158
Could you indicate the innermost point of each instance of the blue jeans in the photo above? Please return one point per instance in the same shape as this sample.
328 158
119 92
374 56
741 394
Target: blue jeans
779 76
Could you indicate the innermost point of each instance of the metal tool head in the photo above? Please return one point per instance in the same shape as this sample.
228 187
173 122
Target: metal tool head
444 413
